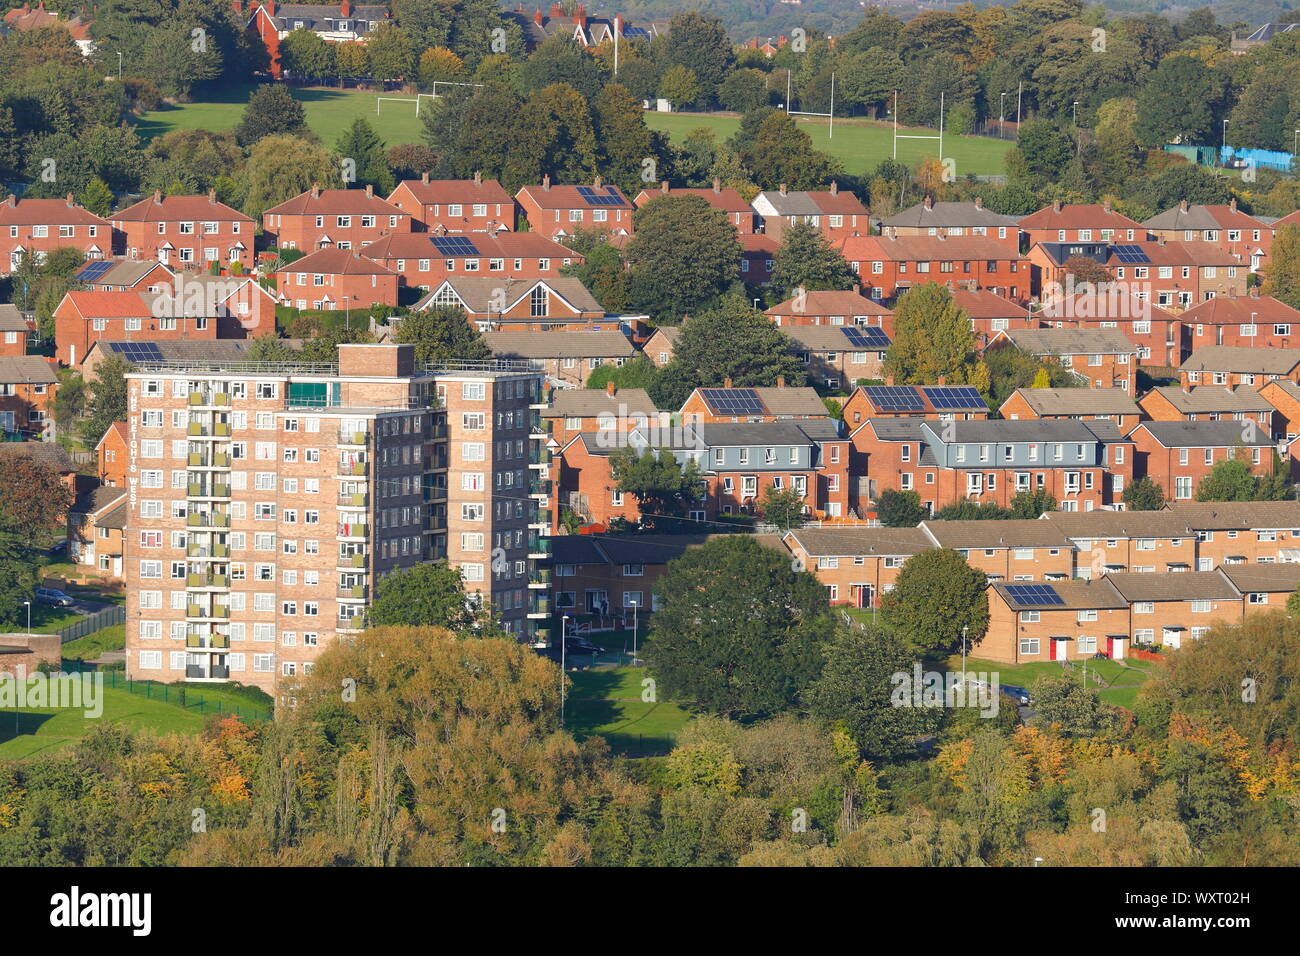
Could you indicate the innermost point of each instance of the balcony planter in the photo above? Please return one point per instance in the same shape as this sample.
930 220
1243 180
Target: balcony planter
359 499
220 521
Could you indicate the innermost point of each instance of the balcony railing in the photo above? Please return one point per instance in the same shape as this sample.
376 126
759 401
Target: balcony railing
540 546
202 551
435 522
356 469
217 610
213 520
539 456
349 623
352 561
213 672
352 529
435 493
353 592
207 581
356 499
215 460
208 641
199 489
540 605
539 486
350 436
543 517
199 430
209 398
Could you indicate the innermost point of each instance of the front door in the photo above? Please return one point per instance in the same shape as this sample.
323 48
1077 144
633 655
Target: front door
1058 649
596 600
863 595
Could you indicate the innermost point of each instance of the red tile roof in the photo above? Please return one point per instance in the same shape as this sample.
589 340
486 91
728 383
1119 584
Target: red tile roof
1080 216
830 303
567 197
1179 254
105 305
728 200
338 262
160 208
1240 310
924 248
464 191
838 202
336 202
36 212
982 304
501 245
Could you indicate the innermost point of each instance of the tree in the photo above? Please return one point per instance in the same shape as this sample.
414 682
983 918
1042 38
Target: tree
807 260
900 509
281 167
97 197
269 349
738 631
1283 279
663 487
439 63
1063 701
1177 100
932 337
361 147
679 86
775 151
70 401
391 52
108 398
744 90
1044 148
270 111
625 140
18 579
552 135
700 44
683 256
735 341
560 60
640 372
1032 504
440 334
1232 480
935 595
304 53
1144 495
34 500
426 595
783 507
855 690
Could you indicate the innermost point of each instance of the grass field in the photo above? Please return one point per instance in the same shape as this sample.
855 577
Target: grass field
859 144
608 703
1115 675
88 648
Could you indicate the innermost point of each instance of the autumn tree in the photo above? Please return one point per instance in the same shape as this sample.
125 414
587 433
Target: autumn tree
932 337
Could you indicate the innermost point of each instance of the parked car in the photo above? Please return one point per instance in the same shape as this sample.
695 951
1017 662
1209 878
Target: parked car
580 645
1018 694
53 596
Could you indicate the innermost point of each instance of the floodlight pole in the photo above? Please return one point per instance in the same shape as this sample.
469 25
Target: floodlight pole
831 133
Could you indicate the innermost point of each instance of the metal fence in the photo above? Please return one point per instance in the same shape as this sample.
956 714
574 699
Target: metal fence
93 623
188 696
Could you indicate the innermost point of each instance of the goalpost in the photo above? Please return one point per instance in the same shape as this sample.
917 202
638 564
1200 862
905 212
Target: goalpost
380 100
830 127
898 135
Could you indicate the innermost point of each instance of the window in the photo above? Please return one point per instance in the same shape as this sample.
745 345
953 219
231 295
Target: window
1029 645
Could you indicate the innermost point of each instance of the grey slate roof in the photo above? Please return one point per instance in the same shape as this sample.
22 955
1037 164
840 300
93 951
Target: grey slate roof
1010 533
1071 341
1100 524
590 402
949 214
1203 434
846 542
1214 398
1235 358
26 370
1176 586
1079 401
11 320
1264 577
97 499
559 344
49 452
1230 515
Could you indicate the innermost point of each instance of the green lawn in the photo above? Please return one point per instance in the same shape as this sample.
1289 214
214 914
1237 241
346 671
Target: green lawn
329 113
46 619
608 703
1113 674
88 648
859 144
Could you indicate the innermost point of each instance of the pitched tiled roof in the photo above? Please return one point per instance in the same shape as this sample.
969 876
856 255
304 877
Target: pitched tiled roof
35 212
828 338
1113 305
1079 401
1087 525
1073 595
1009 533
1213 398
830 303
568 197
1071 341
845 542
120 304
1241 310
484 294
458 192
559 344
49 452
1228 515
11 320
944 215
727 200
590 402
1177 586
1203 434
1277 578
97 499
1199 218
1235 358
335 202
157 208
1080 216
26 369
331 261
924 248
983 304
500 245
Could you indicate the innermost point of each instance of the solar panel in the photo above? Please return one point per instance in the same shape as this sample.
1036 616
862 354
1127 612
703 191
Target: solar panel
866 336
454 245
733 401
960 396
93 270
608 198
634 33
1033 594
895 398
137 351
1130 254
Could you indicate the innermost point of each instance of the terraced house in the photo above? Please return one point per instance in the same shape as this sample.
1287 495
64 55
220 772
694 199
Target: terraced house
36 227
185 231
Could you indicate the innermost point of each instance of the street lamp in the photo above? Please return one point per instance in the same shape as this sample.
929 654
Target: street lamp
564 622
29 616
964 628
1295 143
1002 116
1224 148
1037 860
119 65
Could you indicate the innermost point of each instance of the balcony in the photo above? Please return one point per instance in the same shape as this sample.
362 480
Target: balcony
539 486
207 581
349 623
348 436
354 592
539 547
215 460
543 398
352 561
541 428
207 641
540 606
541 578
200 430
356 499
213 520
539 456
217 611
203 551
356 469
199 489
435 493
209 399
211 672
543 517
352 530
435 522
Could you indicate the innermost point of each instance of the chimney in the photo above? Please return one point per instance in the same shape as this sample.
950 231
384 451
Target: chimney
270 7
12 201
212 196
580 16
557 11
239 6
157 196
315 190
71 200
782 189
726 382
424 178
889 379
1182 205
346 9
611 389
1056 205
598 183
537 17
478 177
663 187
835 188
717 185
1106 205
780 381
928 202
546 182
370 190
979 202
1232 203
942 380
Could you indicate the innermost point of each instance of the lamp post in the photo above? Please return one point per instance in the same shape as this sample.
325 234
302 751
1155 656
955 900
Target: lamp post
29 616
119 65
1002 116
1224 148
635 621
564 622
963 652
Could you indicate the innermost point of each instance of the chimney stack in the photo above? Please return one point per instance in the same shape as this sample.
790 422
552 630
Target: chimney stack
346 8
726 382
979 202
598 183
1106 205
928 202
478 177
782 189
71 200
1232 203
1056 205
315 190
212 196
1182 205
546 182
537 17
942 380
835 188
370 190
717 185
424 178
12 201
663 187
780 381
611 389
889 379
157 196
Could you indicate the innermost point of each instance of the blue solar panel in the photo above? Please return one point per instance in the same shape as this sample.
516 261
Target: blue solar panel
137 351
865 336
454 246
733 401
1130 254
1034 594
93 270
608 198
635 33
961 396
895 398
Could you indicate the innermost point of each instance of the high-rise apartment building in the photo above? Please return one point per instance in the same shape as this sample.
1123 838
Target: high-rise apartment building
267 500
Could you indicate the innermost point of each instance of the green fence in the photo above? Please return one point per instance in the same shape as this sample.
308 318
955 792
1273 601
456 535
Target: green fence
95 622
183 695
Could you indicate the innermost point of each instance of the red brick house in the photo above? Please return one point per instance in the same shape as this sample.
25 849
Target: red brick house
1171 275
727 201
888 266
336 279
83 318
1079 404
1176 455
185 231
1251 321
1243 236
457 205
36 227
757 253
1209 403
14 331
1156 334
424 260
522 305
952 219
836 212
991 313
343 23
111 455
961 403
1084 222
722 405
832 308
342 218
557 211
28 386
1230 365
1101 358
857 565
124 275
